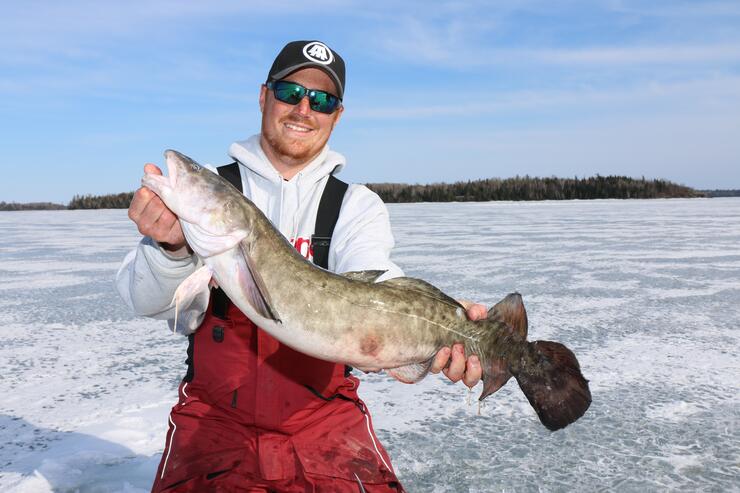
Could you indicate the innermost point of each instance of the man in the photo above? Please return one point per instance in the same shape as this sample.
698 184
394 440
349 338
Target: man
254 415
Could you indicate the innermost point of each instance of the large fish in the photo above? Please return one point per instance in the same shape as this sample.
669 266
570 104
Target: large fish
397 325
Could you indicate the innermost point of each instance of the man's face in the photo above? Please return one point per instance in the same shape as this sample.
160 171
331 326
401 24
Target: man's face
295 134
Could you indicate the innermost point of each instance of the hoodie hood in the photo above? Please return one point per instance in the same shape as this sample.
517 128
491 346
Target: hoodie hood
250 154
290 204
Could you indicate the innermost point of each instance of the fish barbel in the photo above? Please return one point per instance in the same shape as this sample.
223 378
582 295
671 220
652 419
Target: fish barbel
397 325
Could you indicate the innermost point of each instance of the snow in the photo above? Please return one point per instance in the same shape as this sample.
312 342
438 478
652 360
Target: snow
645 292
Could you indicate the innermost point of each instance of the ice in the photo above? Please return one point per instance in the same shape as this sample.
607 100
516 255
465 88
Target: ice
645 292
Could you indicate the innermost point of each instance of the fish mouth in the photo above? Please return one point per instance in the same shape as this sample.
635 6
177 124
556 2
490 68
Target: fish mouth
173 161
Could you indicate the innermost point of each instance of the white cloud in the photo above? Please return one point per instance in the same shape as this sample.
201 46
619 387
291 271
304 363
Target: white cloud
422 44
576 33
688 9
36 28
665 54
713 95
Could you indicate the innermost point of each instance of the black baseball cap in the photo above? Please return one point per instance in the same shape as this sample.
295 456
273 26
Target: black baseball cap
301 54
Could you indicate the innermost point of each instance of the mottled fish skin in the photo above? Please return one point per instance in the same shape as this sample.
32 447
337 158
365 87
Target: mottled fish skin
397 325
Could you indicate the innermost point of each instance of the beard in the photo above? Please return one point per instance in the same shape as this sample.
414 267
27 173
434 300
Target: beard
294 151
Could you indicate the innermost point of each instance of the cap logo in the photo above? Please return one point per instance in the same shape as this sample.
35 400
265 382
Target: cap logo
318 52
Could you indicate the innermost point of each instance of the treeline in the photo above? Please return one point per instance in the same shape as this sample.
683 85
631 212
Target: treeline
31 206
112 201
532 188
721 193
517 188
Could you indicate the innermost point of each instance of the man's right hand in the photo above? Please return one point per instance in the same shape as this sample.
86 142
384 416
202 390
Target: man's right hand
155 220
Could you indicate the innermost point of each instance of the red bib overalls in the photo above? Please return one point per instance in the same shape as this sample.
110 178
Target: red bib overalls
259 416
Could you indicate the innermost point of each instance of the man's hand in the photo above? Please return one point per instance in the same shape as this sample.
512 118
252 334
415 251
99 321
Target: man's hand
469 371
155 220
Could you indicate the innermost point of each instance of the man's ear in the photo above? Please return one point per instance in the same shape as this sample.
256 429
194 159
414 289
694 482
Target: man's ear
337 116
263 97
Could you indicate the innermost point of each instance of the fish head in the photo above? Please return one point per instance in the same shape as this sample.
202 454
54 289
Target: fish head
203 201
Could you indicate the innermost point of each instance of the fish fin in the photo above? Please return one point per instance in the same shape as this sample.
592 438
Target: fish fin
191 301
364 275
424 288
494 377
511 311
410 373
257 295
554 385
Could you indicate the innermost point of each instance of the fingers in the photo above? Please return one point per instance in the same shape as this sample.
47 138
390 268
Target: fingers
456 369
153 218
474 311
170 223
473 372
150 213
152 169
141 199
440 360
143 196
452 361
158 222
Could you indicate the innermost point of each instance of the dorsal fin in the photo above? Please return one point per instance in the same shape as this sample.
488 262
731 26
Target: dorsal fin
364 275
424 288
511 311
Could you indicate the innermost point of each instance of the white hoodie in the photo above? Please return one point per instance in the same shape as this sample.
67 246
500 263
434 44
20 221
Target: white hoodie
362 238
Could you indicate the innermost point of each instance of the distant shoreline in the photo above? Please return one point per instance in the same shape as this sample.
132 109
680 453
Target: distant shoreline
524 188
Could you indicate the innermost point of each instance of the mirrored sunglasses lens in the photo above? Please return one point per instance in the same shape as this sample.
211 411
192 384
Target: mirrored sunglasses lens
289 93
323 102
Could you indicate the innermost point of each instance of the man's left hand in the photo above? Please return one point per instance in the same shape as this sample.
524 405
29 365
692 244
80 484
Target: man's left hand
459 368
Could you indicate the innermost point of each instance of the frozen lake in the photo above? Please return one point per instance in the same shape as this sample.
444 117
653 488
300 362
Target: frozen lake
646 293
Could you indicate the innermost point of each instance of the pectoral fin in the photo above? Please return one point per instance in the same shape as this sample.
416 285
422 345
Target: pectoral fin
254 287
191 301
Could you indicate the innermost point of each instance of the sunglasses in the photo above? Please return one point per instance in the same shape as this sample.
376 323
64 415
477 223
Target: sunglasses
292 93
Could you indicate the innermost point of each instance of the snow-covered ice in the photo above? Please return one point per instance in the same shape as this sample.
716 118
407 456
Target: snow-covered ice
645 292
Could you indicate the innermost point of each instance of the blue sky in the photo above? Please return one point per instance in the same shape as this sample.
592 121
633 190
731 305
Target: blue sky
436 91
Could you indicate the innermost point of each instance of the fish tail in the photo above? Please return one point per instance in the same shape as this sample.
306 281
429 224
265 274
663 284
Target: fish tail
547 372
551 379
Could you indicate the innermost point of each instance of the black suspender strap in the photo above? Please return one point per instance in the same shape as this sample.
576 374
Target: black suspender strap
232 175
220 302
326 219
